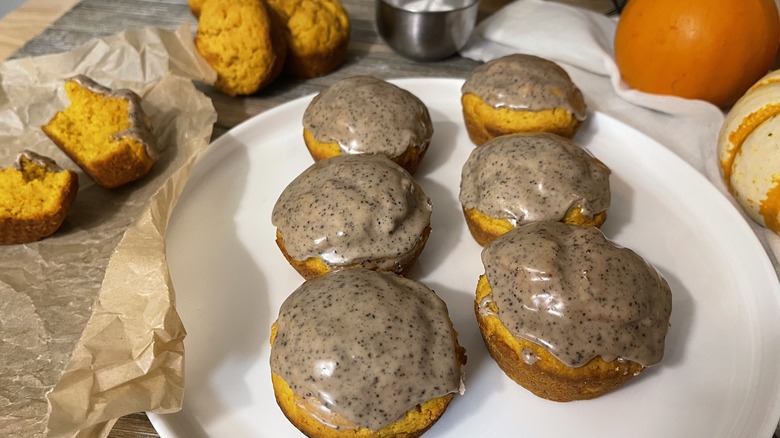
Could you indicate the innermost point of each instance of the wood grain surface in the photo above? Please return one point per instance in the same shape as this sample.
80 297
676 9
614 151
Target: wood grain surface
24 23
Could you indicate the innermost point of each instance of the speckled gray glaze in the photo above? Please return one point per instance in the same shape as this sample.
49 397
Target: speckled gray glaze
353 209
45 162
367 115
572 291
521 81
367 345
532 177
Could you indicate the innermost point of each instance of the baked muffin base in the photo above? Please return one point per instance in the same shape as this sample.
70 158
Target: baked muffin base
484 122
416 421
315 266
485 229
409 160
547 377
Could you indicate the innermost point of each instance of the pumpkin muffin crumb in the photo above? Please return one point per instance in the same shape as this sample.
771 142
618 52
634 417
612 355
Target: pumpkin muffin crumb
105 132
35 197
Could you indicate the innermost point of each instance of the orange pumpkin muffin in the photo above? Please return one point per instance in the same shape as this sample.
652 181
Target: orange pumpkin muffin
195 7
352 210
243 42
105 132
522 178
367 115
35 197
567 314
317 33
359 353
520 93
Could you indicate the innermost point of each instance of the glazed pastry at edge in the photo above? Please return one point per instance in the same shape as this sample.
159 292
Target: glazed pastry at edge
105 131
352 210
35 197
520 93
567 314
520 178
367 115
385 356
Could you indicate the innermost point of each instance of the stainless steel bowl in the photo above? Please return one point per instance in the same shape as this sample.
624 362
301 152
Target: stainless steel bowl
426 30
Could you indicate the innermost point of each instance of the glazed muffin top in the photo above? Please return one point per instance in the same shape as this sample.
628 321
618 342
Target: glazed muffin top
352 208
532 177
526 82
579 295
367 345
367 115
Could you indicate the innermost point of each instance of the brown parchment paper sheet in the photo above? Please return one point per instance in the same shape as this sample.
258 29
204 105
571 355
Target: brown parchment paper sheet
88 327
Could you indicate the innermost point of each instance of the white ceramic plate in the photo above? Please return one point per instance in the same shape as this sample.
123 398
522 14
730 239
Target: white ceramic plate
721 373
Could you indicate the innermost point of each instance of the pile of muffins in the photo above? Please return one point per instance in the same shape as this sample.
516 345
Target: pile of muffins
565 312
249 43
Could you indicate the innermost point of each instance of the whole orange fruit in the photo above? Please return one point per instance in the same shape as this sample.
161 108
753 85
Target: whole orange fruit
699 49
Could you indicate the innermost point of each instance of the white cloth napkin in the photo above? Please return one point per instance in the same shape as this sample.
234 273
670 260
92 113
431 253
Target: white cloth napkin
581 41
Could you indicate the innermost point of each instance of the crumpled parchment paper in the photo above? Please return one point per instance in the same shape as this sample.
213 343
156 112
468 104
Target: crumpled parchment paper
88 326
